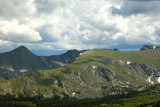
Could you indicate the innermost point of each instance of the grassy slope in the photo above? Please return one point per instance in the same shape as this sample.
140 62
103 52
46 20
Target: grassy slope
100 58
143 57
96 57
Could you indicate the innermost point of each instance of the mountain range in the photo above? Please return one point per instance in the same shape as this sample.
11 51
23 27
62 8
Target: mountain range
21 61
81 75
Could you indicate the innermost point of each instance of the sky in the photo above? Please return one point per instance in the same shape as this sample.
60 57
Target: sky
78 24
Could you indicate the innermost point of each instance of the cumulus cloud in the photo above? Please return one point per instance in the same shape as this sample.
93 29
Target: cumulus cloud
15 32
80 24
4 43
6 46
48 6
16 8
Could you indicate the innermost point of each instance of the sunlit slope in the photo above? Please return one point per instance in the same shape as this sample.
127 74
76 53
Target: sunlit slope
144 57
94 73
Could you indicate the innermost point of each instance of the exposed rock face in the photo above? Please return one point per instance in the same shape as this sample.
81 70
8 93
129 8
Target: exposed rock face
21 61
145 47
92 81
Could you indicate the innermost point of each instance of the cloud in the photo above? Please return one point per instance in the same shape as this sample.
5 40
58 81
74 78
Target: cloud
134 7
47 6
79 24
16 32
4 43
16 8
6 46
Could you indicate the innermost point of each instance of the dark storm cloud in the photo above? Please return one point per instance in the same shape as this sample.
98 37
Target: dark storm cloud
134 7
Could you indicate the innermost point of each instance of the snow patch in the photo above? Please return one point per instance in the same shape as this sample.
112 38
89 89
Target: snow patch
128 83
121 62
154 47
61 64
55 82
149 80
81 54
128 62
73 94
23 70
158 79
94 67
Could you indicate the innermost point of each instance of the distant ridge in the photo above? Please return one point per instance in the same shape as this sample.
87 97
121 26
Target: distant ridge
21 60
145 47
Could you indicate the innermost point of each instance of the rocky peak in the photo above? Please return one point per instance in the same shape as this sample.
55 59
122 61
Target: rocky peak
72 52
145 47
21 47
21 50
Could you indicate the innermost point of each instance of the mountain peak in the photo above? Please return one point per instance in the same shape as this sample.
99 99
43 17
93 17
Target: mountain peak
21 61
21 48
71 51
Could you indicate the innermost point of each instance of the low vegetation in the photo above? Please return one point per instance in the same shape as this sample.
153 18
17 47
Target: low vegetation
96 78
